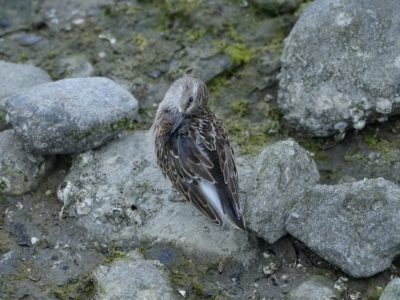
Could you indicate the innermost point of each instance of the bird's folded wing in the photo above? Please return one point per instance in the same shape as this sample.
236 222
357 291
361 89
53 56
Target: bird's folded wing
189 166
213 136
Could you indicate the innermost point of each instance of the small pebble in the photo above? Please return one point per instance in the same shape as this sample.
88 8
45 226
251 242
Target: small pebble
78 22
34 240
182 293
64 268
108 37
26 39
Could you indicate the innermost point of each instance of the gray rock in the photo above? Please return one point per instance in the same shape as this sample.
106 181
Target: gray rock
392 290
15 78
15 14
209 68
19 171
278 6
315 288
202 60
283 171
120 195
28 39
133 278
74 66
265 30
326 90
71 115
60 14
354 226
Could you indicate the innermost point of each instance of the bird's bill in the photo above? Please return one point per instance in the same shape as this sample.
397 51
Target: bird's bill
178 122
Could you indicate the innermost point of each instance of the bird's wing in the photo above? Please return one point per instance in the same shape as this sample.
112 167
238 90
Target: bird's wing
187 167
202 168
213 136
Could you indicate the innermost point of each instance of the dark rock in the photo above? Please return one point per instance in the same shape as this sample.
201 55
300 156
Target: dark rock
278 6
21 235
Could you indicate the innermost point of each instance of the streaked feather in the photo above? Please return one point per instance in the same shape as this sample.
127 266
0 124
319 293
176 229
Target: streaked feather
200 151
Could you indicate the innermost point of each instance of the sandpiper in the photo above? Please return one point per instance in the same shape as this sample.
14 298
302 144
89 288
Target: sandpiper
193 150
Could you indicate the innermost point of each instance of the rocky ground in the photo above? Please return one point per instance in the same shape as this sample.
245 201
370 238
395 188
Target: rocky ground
84 211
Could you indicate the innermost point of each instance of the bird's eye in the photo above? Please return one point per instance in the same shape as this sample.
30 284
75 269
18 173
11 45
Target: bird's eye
190 99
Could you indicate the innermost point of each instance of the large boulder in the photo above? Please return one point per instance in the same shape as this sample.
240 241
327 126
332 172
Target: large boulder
19 171
282 173
15 78
355 226
120 196
71 115
132 278
341 66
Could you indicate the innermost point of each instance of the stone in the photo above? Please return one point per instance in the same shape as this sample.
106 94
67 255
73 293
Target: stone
15 14
119 195
19 171
133 278
201 61
71 115
74 66
354 226
327 90
283 171
21 236
18 77
278 6
27 39
212 67
60 14
392 290
15 78
315 288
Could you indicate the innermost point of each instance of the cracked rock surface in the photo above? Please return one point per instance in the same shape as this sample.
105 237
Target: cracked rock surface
326 90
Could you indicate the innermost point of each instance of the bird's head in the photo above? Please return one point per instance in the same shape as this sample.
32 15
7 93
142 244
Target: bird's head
187 96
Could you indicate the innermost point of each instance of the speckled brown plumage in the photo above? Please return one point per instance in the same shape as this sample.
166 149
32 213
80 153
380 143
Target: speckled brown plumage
193 150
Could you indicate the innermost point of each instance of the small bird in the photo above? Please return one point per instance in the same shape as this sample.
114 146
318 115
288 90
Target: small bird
193 150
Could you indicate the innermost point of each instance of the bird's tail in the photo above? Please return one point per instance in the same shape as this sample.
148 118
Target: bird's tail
231 213
237 220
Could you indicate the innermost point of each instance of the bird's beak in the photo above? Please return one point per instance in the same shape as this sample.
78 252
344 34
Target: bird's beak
178 122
